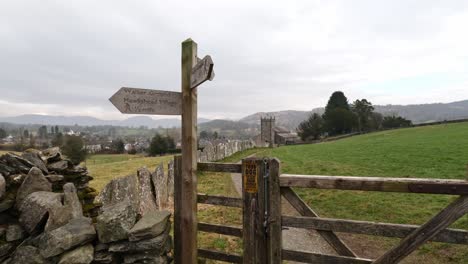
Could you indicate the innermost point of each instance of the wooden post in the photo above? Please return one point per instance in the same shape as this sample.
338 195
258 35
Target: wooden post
177 206
274 200
188 186
253 212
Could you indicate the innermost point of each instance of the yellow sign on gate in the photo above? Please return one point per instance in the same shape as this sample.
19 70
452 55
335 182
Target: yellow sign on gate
250 176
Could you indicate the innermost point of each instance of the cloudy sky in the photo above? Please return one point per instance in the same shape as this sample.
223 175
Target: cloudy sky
69 57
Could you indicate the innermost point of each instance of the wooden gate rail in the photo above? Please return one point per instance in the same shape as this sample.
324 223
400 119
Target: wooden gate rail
455 236
220 201
413 236
221 256
220 229
309 257
379 184
220 167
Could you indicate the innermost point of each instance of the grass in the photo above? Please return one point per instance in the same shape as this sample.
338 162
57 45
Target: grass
425 152
106 167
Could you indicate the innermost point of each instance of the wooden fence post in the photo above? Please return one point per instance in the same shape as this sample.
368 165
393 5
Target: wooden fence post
188 184
177 209
275 226
253 212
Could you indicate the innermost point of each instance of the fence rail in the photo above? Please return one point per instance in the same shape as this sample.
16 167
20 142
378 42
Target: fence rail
456 236
378 184
413 236
220 167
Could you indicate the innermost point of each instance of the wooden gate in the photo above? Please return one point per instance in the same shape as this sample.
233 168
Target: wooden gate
263 185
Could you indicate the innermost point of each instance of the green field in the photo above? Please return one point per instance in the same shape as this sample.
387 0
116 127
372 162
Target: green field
423 152
106 167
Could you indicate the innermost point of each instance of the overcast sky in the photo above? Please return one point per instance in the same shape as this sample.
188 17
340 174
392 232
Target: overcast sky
68 57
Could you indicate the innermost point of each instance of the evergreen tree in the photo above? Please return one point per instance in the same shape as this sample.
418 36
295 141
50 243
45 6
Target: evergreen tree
311 128
338 117
73 148
363 110
118 146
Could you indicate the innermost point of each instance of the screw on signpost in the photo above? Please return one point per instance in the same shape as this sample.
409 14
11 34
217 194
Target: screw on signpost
195 71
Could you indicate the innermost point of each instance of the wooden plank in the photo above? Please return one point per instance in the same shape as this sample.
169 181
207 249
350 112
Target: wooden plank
145 101
254 238
456 236
274 210
202 71
220 167
220 229
335 242
380 184
188 210
221 256
177 208
219 200
430 229
309 257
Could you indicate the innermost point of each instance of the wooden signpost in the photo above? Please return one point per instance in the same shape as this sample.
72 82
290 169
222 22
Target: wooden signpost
195 71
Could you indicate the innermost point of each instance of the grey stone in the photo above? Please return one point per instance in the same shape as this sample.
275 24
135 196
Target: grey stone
151 225
34 182
54 178
2 229
77 232
104 257
2 186
79 255
51 154
160 186
101 247
156 260
116 221
27 255
140 256
156 244
71 200
14 232
147 202
19 164
36 160
5 249
71 208
36 208
59 166
7 203
119 190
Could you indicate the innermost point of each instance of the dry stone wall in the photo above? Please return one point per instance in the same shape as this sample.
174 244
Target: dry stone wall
213 151
47 211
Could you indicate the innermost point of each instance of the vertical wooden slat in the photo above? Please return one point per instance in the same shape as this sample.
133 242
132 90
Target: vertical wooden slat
177 208
338 245
274 199
442 220
188 205
254 238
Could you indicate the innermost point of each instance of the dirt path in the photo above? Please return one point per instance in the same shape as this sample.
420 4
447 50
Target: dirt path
294 238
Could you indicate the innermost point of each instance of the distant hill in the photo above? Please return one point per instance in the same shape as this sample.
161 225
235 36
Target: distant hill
421 113
135 121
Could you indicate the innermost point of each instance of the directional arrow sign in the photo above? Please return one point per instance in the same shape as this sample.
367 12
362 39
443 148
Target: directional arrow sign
202 71
147 102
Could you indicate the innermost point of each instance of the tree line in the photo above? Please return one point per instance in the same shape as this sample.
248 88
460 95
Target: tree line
341 117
